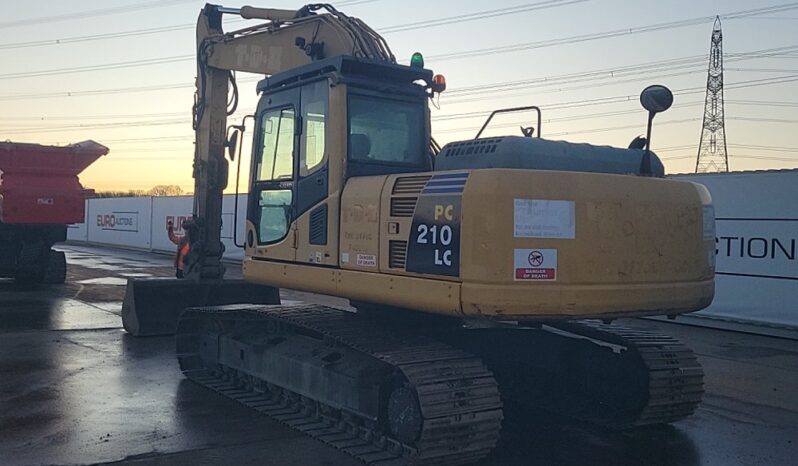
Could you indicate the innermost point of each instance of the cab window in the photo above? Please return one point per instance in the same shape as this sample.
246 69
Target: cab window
314 112
277 140
383 131
275 215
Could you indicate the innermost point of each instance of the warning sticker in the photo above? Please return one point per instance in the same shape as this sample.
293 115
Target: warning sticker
367 260
542 218
535 264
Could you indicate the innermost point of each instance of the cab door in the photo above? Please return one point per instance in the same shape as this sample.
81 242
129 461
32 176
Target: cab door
272 198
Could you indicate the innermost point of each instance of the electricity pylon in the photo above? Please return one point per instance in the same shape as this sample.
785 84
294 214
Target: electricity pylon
712 154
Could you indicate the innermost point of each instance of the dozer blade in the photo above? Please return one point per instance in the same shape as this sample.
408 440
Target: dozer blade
152 305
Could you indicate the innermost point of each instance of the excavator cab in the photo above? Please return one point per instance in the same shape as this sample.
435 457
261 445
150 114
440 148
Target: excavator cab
316 127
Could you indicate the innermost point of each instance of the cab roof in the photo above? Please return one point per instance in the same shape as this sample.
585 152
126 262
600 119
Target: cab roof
348 67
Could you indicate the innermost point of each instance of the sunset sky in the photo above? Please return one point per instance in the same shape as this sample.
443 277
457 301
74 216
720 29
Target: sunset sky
121 72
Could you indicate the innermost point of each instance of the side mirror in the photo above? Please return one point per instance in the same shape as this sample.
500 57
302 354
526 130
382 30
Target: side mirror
232 144
655 99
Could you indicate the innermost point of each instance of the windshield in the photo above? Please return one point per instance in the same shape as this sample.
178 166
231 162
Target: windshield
385 131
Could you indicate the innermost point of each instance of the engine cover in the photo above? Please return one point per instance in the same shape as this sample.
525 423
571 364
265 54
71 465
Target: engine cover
542 154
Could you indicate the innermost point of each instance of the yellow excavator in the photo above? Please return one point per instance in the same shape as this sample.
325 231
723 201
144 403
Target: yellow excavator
486 271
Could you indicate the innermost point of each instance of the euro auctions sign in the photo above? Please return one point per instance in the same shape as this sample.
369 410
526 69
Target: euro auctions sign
119 221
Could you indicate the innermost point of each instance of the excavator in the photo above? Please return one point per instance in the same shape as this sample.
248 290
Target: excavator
485 272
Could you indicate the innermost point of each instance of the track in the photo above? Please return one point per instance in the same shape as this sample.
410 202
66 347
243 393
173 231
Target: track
674 380
604 374
445 410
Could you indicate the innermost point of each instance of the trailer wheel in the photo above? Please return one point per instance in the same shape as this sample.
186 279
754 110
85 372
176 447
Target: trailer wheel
55 270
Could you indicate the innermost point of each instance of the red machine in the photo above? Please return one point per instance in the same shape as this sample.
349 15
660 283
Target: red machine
39 196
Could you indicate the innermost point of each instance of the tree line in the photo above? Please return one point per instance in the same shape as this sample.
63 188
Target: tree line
159 190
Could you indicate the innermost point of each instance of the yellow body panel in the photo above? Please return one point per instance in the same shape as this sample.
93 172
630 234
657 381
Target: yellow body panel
360 223
624 245
638 245
435 296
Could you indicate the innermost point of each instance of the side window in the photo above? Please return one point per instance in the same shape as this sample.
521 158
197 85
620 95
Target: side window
314 116
275 215
277 151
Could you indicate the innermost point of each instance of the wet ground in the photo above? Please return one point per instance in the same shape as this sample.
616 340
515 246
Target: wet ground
76 389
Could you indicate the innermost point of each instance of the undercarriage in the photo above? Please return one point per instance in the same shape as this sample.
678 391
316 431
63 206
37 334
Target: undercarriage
430 391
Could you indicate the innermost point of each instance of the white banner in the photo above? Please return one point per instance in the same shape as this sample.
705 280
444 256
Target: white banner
756 243
120 221
141 222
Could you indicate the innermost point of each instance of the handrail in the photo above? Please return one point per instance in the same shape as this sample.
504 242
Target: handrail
510 110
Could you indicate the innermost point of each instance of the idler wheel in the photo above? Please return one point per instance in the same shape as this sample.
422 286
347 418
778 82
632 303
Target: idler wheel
404 415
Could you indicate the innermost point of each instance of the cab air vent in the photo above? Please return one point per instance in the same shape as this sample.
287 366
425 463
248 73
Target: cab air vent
318 226
410 184
473 147
397 254
403 206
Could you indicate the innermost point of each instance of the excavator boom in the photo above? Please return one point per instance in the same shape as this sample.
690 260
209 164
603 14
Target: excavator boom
284 40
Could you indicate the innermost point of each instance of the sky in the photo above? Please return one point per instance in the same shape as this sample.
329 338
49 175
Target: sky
121 72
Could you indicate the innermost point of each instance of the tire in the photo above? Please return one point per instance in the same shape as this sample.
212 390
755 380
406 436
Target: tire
55 270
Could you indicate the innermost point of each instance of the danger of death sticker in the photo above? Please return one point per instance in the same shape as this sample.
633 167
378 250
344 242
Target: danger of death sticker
367 260
535 264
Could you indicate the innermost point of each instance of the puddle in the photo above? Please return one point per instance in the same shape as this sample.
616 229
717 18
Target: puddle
135 274
104 281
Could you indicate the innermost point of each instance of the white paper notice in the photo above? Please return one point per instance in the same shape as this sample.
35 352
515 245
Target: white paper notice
541 218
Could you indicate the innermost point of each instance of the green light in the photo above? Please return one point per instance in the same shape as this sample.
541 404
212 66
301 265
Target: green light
417 61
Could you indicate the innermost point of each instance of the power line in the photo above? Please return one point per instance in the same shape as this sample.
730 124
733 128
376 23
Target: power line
554 106
585 116
93 37
119 90
593 74
479 15
174 59
570 133
763 120
387 30
454 116
676 148
765 157
692 147
763 103
686 91
97 126
742 84
91 13
768 148
92 117
106 66
156 139
498 87
609 34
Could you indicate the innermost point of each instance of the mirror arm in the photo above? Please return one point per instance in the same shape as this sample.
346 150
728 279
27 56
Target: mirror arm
645 162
